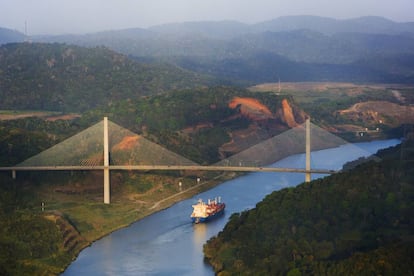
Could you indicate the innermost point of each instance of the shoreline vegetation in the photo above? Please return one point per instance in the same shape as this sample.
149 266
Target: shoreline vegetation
344 224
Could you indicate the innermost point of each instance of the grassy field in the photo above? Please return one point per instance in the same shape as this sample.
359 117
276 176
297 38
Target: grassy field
81 203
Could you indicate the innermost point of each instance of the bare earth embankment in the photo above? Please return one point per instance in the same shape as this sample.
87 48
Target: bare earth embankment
367 106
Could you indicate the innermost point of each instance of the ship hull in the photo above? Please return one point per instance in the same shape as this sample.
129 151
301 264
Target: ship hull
208 218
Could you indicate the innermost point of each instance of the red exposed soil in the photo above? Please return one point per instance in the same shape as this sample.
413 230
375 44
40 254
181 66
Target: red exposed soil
127 143
288 116
251 108
265 124
196 128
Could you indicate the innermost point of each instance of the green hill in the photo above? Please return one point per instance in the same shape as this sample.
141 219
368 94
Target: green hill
69 78
345 224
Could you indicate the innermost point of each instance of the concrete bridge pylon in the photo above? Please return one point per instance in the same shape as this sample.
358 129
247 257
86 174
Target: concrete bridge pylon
308 151
107 185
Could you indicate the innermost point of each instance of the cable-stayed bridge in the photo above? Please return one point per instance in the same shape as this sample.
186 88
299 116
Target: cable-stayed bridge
106 146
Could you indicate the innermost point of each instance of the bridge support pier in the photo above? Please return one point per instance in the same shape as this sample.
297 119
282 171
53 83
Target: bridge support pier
107 185
308 151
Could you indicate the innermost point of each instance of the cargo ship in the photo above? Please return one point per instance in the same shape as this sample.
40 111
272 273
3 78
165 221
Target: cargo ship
203 212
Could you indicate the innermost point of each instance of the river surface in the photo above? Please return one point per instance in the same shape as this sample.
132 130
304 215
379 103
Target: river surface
167 243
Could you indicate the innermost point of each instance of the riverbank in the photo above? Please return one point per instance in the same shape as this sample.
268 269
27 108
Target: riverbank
107 219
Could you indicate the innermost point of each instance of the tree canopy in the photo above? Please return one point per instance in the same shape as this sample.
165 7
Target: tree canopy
347 224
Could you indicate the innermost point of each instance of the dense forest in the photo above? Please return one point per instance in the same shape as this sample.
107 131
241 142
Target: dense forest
59 77
345 224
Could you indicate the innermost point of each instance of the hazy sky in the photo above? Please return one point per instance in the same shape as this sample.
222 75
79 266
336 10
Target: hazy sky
82 16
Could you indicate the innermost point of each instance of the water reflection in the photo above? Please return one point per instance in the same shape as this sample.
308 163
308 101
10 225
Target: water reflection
199 234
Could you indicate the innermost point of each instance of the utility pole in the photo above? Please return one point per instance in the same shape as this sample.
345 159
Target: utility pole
279 86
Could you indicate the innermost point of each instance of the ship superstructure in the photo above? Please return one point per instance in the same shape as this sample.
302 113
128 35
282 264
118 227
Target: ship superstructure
203 212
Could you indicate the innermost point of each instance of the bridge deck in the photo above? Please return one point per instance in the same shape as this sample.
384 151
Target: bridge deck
167 168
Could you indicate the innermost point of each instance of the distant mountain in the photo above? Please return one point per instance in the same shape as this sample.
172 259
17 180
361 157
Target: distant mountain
260 67
313 48
325 25
219 38
71 78
366 24
213 29
8 36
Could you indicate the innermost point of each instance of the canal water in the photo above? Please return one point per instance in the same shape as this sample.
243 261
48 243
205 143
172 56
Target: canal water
167 243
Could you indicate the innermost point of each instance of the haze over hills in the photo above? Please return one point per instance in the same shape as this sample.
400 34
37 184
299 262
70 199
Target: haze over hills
293 48
366 24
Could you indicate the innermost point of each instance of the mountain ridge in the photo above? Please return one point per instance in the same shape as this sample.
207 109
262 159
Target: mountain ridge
316 48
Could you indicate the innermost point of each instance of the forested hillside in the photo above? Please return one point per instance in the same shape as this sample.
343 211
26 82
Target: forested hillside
345 224
69 78
196 123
